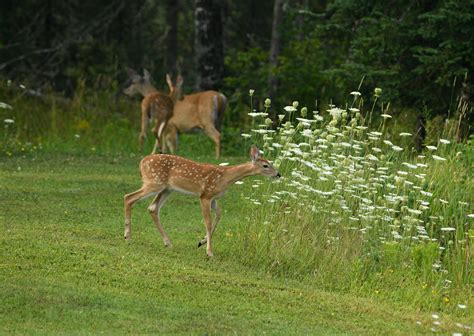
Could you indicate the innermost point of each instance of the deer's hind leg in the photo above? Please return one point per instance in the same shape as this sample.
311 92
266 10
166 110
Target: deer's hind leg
215 136
130 199
154 210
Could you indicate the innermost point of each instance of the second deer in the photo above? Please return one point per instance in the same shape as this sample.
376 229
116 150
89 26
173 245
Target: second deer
202 110
163 174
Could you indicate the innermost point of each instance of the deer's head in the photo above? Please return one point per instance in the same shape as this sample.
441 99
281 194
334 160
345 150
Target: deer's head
264 167
138 84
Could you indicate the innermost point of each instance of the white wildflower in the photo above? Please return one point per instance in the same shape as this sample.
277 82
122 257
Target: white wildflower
289 109
444 141
438 158
461 306
448 229
245 135
224 164
432 148
376 149
355 93
336 112
409 165
8 121
5 106
397 148
426 193
374 133
386 116
239 182
405 134
257 114
251 92
372 157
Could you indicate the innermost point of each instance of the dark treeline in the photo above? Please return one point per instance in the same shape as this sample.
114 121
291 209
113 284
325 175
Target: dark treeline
420 52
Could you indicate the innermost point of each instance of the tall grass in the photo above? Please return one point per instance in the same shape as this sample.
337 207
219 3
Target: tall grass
92 121
359 211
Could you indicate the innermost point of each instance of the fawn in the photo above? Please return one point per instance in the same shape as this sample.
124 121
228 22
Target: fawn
155 105
162 174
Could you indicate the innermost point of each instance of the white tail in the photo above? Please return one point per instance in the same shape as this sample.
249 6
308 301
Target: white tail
155 105
163 174
203 110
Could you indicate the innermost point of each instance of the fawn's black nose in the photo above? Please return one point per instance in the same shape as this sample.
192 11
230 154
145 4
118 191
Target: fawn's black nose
278 175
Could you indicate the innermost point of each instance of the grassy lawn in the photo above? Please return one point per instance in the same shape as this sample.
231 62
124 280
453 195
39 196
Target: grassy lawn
65 268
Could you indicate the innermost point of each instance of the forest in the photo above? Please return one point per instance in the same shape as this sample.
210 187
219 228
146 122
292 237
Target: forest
419 52
356 116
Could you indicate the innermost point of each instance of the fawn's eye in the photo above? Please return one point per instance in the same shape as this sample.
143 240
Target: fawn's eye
265 165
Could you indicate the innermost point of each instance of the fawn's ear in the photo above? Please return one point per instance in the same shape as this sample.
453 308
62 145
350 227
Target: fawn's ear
146 75
254 153
169 81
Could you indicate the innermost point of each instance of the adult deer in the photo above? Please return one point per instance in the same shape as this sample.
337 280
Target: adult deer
155 105
203 110
163 174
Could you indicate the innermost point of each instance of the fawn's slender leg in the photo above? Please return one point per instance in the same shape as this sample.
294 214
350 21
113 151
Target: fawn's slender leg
154 210
158 130
171 138
144 126
206 213
129 201
217 218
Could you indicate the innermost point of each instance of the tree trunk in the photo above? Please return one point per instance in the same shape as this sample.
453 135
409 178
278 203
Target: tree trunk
275 48
208 47
172 36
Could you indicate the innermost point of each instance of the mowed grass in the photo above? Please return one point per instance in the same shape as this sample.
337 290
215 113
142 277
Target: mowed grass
65 267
